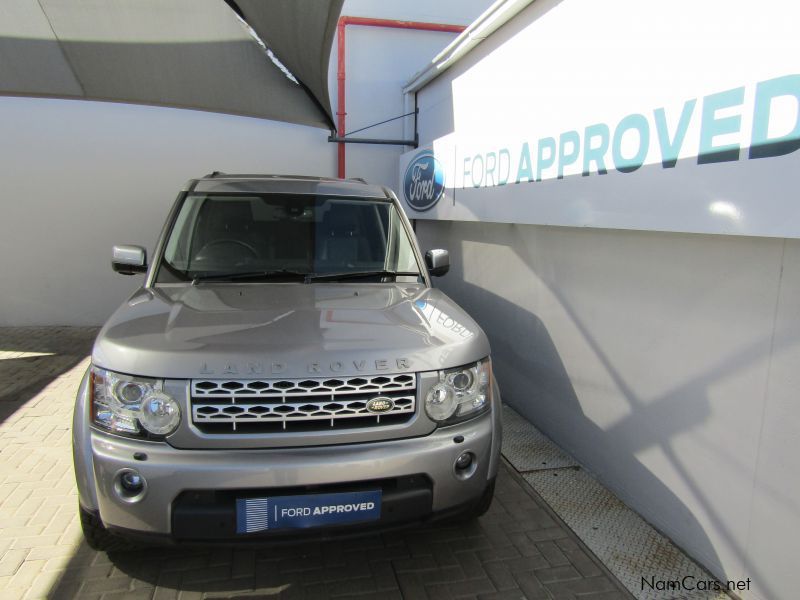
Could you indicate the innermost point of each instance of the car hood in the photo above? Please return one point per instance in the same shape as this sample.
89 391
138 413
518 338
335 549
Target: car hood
287 330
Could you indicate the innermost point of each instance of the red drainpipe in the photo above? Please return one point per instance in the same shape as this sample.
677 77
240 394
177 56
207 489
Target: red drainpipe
341 74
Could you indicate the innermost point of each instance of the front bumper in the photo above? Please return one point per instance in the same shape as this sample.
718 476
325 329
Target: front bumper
170 471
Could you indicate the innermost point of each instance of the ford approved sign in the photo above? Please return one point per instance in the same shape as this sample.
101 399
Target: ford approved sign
423 182
300 512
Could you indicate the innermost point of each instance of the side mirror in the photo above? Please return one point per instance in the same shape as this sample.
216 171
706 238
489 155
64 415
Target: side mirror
129 260
438 262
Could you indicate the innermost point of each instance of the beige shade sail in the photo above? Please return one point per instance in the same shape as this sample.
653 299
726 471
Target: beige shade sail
184 53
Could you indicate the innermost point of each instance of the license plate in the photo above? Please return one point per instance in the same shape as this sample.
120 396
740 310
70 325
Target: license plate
311 510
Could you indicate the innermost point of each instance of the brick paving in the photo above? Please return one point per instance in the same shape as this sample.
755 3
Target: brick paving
519 549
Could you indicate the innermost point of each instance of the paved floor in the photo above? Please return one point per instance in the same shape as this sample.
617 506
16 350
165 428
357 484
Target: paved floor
622 540
519 549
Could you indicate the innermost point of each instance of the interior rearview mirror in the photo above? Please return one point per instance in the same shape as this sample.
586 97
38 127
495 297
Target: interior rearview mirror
437 261
129 260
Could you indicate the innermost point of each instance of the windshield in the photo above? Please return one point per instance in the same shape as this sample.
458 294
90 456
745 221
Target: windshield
283 237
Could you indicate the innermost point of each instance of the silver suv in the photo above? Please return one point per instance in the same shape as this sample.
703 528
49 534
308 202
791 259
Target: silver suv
286 368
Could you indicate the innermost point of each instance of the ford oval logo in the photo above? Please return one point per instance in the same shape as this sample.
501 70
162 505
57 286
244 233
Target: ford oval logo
380 405
423 183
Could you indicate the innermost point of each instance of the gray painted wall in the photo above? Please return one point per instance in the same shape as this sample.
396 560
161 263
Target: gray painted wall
81 176
666 363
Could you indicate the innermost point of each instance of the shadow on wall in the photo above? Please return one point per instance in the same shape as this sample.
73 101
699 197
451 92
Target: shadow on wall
526 355
32 357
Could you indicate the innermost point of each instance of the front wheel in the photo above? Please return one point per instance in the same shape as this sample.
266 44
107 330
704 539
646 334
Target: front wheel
482 505
98 537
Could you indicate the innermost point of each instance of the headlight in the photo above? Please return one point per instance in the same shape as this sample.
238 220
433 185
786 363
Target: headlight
132 405
460 393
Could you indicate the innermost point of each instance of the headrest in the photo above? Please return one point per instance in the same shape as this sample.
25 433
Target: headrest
341 221
228 214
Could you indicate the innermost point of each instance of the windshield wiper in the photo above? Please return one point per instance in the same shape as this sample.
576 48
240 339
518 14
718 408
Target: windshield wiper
356 275
249 275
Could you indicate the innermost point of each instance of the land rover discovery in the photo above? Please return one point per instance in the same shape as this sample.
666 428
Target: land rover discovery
286 368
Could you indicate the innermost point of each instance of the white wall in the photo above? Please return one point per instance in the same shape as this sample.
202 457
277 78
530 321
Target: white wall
665 362
379 61
78 177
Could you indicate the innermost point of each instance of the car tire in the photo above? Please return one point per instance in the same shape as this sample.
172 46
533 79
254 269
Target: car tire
98 537
482 505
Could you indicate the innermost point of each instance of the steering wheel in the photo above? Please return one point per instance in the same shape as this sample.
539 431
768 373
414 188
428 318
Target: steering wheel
202 253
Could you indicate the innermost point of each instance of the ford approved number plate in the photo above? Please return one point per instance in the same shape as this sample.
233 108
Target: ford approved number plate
300 512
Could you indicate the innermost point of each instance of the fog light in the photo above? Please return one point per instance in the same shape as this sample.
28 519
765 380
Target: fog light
465 466
464 461
129 485
132 482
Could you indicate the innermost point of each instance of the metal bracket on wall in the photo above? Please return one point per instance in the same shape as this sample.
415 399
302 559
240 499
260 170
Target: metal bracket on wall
348 140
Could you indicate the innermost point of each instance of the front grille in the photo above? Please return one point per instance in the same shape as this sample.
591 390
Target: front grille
319 404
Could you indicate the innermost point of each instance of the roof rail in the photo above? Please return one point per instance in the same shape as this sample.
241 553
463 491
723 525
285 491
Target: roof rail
215 174
359 179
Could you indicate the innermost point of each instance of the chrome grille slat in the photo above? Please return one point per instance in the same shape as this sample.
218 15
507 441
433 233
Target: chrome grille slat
315 403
